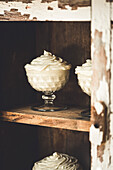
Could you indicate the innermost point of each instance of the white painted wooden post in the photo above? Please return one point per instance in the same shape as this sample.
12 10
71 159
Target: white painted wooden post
111 90
101 129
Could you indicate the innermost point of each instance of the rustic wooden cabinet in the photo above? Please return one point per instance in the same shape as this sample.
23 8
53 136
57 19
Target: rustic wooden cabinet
76 30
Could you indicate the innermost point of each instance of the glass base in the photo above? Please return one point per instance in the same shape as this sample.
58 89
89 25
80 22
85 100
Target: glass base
50 108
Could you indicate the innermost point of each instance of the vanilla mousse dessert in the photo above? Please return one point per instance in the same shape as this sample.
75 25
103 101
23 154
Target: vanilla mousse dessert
84 75
58 161
47 72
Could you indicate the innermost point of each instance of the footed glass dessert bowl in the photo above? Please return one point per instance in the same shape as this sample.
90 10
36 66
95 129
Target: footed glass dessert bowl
84 75
48 74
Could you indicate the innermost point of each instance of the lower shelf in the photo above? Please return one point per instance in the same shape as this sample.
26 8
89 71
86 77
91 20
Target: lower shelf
67 119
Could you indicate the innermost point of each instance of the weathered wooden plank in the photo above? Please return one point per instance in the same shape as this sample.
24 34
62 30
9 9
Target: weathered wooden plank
61 3
100 102
14 15
44 11
50 10
74 4
69 119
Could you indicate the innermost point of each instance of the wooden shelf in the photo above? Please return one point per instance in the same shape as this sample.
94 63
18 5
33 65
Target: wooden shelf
67 119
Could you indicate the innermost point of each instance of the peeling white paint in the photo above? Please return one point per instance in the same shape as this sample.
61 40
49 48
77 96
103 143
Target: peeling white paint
102 6
96 136
101 21
96 165
98 168
40 10
111 151
106 165
99 107
111 135
112 11
94 152
102 10
111 86
102 93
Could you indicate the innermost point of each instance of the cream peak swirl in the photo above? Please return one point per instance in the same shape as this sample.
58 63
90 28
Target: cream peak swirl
58 161
47 62
86 68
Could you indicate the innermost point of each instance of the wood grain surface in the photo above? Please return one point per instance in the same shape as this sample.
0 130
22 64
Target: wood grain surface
67 119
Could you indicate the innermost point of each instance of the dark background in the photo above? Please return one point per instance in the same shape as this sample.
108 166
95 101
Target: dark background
21 145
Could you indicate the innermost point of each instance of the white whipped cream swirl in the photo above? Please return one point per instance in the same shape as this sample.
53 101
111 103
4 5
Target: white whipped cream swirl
47 62
57 161
85 69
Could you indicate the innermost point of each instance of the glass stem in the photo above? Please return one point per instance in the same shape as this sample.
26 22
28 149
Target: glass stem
48 98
